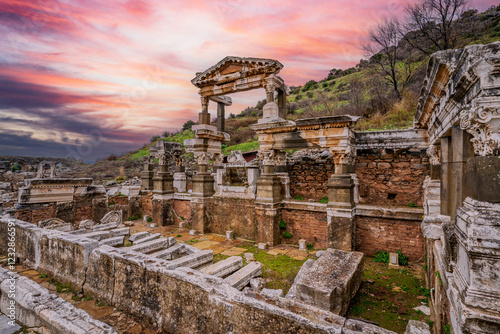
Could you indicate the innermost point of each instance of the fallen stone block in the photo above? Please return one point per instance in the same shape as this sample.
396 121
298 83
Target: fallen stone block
224 267
170 253
148 239
78 232
242 277
329 282
352 326
104 227
100 235
113 242
273 292
417 327
263 246
192 260
118 232
137 236
257 283
229 235
150 246
193 232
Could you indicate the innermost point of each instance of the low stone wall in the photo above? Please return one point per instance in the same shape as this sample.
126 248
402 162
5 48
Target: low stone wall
182 300
390 229
44 312
306 221
183 208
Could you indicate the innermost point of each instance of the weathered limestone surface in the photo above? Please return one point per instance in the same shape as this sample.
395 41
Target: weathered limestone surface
417 327
36 307
224 267
242 277
329 282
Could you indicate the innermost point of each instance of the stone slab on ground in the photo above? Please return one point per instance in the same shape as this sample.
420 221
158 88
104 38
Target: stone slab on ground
242 277
150 246
417 327
329 282
6 327
170 253
113 242
234 251
139 235
297 254
278 251
147 239
192 260
224 267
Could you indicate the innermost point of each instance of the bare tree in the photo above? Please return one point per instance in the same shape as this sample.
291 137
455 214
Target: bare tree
392 61
432 25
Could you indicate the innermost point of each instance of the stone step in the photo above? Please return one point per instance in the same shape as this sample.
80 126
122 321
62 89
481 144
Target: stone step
242 277
224 267
150 246
104 227
113 242
170 253
118 232
139 235
193 260
148 239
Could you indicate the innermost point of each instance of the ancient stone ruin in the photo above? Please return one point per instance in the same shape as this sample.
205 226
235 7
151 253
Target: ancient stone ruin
360 185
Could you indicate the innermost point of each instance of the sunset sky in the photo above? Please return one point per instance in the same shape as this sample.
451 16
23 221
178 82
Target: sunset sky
89 78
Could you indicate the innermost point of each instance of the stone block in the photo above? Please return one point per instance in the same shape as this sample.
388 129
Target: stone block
482 171
257 283
273 292
193 232
136 236
229 235
302 244
113 242
171 253
417 327
242 277
182 225
147 239
329 282
224 267
263 245
192 260
150 246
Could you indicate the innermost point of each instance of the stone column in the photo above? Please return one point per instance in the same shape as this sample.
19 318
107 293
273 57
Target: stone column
268 199
434 154
282 103
204 116
341 204
446 160
203 188
147 175
221 120
163 190
461 151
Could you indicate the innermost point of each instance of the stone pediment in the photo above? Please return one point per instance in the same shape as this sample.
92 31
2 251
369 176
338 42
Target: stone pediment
232 68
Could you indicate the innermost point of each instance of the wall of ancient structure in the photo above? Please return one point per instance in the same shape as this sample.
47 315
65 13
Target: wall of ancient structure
309 171
306 221
391 177
182 209
232 214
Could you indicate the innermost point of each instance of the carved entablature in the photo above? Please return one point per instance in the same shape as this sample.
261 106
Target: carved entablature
237 74
456 78
268 157
483 123
434 154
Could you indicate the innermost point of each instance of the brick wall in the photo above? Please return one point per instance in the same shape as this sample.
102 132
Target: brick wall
376 234
232 214
37 212
309 175
391 178
147 205
183 209
309 225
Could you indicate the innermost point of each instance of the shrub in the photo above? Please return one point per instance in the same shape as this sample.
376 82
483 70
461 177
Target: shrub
447 329
178 236
403 259
310 246
298 198
412 205
324 199
287 235
310 95
381 256
282 225
150 219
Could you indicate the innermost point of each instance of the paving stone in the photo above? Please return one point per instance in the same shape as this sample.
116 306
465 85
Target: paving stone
206 244
224 267
234 251
277 251
242 277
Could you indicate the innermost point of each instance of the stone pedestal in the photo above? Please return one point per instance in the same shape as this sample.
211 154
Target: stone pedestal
203 185
268 213
203 188
147 178
163 182
180 182
340 212
163 210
